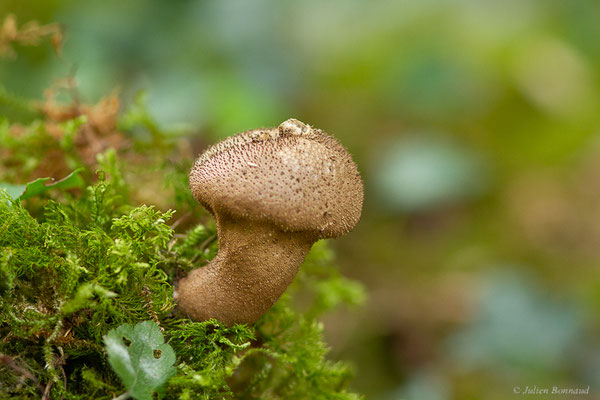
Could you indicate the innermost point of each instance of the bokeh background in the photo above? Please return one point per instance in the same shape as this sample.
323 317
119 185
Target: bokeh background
476 127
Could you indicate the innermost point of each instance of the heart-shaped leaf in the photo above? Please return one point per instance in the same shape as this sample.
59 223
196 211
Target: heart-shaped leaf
141 358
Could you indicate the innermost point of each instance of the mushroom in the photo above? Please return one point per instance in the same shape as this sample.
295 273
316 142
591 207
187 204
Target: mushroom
273 193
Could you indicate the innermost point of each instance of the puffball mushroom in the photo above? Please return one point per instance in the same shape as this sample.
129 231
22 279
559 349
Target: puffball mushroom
273 193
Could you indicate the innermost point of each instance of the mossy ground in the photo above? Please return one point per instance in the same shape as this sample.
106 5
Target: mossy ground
77 262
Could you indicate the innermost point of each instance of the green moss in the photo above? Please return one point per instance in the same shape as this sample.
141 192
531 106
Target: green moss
76 263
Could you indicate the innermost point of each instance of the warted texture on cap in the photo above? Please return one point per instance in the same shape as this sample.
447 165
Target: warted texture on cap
298 177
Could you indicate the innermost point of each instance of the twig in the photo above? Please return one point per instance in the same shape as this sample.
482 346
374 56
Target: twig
124 396
12 364
203 247
47 390
149 309
180 219
207 242
171 244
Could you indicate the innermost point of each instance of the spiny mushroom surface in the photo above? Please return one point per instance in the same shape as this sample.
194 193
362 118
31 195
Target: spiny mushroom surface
273 193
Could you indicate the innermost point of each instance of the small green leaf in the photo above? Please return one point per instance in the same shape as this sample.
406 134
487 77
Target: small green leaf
145 362
40 185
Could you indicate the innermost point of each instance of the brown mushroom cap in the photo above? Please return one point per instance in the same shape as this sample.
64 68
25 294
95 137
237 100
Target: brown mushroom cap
299 178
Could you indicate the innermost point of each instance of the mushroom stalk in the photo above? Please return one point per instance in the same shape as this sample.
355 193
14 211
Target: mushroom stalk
240 284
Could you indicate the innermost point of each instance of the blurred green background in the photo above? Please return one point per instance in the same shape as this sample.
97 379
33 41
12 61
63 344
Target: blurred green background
475 125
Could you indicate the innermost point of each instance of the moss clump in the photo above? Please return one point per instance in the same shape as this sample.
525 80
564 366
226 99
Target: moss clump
78 262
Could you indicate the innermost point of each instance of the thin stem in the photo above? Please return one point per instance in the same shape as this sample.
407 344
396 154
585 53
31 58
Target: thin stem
124 396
